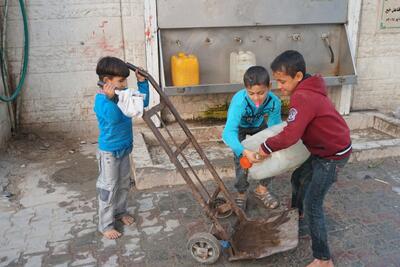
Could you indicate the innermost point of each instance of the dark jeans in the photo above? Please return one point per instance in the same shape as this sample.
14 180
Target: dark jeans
242 184
310 183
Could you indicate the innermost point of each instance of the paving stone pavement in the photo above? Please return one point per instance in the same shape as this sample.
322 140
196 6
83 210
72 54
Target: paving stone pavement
52 219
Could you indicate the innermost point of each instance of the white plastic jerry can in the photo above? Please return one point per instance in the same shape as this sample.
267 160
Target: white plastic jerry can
239 63
280 161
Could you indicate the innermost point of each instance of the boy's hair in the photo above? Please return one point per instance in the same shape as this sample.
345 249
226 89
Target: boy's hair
289 62
111 67
256 75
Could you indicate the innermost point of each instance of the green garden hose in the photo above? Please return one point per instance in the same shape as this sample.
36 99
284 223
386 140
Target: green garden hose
25 60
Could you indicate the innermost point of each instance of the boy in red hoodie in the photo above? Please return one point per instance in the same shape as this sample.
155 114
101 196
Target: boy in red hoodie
313 119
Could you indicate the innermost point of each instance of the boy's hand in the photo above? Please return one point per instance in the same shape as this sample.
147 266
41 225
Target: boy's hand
262 154
109 90
139 77
252 156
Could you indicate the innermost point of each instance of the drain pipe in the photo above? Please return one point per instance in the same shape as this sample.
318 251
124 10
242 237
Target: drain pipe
4 67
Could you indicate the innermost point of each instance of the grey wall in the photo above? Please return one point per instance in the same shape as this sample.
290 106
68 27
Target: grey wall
68 37
66 40
378 62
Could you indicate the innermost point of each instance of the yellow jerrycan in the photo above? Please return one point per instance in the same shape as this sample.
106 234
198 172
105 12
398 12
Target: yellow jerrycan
185 70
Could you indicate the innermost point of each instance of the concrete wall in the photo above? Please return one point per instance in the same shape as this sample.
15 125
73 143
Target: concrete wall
69 36
378 62
67 39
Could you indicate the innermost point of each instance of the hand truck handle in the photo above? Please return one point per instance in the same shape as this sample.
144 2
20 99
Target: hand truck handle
139 70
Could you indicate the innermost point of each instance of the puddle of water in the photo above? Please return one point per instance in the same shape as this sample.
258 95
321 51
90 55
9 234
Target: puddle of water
80 170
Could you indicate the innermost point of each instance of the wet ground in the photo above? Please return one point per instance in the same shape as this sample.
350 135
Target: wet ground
48 214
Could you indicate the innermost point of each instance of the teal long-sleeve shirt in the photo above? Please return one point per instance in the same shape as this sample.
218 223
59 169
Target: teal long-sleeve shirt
115 129
243 113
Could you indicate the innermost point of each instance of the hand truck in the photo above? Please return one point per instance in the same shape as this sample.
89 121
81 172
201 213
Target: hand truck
249 238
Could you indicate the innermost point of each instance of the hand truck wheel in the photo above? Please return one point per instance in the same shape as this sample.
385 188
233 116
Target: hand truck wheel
218 203
204 247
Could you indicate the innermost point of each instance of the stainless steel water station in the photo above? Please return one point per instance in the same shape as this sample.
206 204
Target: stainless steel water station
212 29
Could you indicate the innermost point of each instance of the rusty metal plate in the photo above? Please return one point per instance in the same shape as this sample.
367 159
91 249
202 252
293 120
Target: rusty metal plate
260 238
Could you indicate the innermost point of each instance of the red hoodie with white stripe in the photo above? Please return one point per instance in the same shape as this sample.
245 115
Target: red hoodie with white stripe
313 119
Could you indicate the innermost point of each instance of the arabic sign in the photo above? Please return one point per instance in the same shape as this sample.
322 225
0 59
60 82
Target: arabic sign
390 17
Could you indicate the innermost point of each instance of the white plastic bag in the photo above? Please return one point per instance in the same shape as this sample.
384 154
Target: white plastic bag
130 102
280 161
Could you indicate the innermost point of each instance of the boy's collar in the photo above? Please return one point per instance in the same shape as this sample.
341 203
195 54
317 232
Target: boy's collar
306 76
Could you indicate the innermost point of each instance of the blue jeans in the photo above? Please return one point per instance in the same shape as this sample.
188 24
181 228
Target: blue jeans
241 183
310 183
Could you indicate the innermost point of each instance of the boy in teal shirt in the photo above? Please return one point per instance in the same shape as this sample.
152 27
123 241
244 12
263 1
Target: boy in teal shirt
246 116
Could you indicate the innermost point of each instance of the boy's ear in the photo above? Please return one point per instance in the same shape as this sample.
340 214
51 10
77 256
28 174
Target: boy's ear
106 79
299 76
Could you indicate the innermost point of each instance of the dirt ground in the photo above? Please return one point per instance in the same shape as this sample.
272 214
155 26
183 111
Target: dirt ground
48 213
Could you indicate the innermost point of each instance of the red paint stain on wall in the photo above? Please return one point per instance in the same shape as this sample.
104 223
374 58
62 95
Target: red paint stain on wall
104 45
148 33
